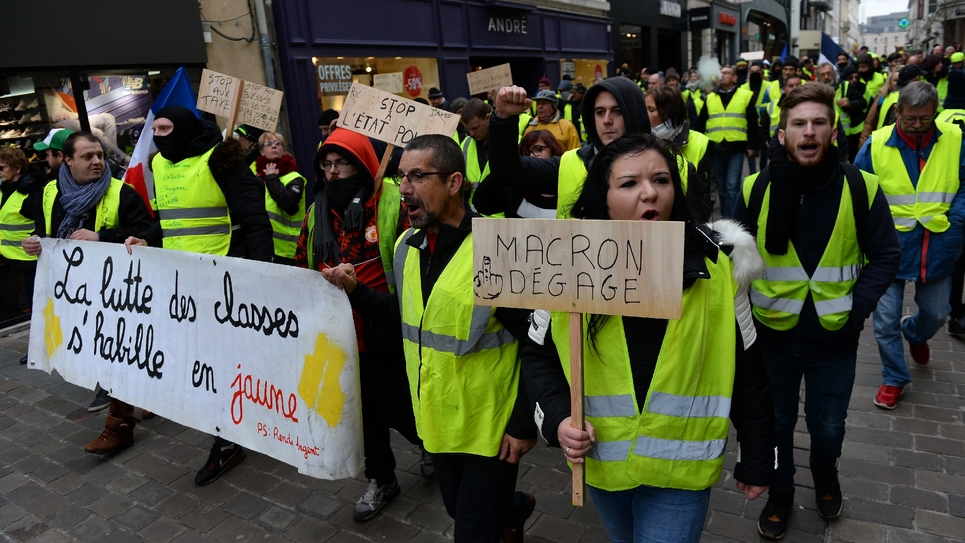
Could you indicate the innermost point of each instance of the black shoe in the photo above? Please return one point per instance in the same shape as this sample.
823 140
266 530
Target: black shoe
101 401
827 493
425 465
219 462
956 327
24 359
772 523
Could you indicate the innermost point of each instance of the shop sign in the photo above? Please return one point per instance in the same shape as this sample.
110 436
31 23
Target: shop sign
412 78
699 18
959 12
503 28
727 19
508 25
388 82
670 9
334 79
568 67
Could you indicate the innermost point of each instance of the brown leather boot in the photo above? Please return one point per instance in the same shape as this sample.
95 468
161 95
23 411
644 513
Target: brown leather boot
117 436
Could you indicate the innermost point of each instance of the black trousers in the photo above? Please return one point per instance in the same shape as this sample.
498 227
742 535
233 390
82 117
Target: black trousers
479 494
853 147
958 285
386 404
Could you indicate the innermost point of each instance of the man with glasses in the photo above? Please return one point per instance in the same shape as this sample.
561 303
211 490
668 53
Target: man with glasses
355 221
729 119
919 164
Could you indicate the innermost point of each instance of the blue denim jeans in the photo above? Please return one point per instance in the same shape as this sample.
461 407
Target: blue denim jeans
727 170
932 300
828 381
648 514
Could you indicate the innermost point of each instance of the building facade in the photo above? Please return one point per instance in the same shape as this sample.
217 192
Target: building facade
886 34
650 33
936 22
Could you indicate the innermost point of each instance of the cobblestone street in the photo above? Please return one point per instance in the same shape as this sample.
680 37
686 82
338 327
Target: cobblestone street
902 473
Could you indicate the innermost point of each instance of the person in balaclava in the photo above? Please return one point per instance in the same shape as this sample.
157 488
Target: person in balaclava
186 142
612 109
355 220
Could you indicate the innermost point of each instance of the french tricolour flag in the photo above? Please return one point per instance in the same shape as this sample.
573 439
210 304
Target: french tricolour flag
177 92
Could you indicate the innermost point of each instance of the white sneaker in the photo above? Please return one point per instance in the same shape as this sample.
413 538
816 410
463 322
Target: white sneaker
374 499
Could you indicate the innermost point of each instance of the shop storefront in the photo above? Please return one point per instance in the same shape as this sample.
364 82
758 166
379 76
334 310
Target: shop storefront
96 72
651 33
765 27
432 43
715 31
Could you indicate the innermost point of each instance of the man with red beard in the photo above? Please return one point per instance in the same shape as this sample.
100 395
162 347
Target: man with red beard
826 266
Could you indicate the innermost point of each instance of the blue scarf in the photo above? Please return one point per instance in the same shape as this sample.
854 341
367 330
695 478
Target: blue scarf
77 200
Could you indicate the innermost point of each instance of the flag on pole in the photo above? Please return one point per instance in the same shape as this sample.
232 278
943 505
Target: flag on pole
177 92
784 53
829 50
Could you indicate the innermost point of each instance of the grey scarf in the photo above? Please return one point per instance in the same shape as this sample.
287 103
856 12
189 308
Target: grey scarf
77 200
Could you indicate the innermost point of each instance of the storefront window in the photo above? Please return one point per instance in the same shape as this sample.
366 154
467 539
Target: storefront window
335 75
584 70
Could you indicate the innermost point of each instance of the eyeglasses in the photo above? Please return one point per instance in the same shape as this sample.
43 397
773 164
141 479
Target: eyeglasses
271 143
418 177
911 120
338 165
537 150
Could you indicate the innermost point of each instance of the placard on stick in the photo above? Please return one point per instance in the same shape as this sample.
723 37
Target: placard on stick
490 79
389 82
218 93
604 267
260 106
390 118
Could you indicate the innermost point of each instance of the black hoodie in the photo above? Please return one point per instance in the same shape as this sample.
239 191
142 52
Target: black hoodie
530 174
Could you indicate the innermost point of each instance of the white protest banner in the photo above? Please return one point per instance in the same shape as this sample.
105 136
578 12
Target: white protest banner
389 118
604 267
218 93
202 340
259 106
490 79
391 82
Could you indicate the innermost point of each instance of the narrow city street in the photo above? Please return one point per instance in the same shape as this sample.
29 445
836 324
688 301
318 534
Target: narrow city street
902 473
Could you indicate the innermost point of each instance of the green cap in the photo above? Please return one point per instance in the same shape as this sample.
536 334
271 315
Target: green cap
55 140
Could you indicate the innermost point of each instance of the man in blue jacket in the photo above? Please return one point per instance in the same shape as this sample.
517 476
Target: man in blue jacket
919 164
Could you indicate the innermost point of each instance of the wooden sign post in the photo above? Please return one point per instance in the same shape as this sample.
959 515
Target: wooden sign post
392 119
490 79
629 268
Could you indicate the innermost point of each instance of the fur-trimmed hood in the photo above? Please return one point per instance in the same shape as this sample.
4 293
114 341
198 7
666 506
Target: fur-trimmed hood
741 247
225 158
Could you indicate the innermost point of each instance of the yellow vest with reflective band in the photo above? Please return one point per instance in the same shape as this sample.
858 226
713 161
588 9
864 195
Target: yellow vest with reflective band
461 363
567 109
731 123
778 298
284 227
886 104
928 204
105 213
386 224
524 119
695 96
774 114
473 174
678 439
696 147
759 102
845 116
951 116
191 207
942 88
14 228
872 87
571 177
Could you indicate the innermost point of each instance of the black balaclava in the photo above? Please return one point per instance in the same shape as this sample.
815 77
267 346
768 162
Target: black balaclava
176 145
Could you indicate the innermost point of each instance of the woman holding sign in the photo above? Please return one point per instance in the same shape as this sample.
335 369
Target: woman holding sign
660 395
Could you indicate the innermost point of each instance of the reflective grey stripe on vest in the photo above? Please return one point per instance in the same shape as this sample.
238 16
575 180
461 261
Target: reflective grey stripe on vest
10 242
725 114
787 305
670 449
689 406
196 231
936 197
901 200
837 305
610 451
284 237
719 128
285 222
908 223
193 213
610 406
465 148
786 273
837 275
17 227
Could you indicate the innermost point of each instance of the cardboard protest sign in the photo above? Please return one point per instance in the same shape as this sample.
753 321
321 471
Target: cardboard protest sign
198 339
389 118
218 93
389 82
490 79
604 267
259 106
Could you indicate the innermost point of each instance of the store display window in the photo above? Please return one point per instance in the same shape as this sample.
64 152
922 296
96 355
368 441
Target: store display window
335 75
584 70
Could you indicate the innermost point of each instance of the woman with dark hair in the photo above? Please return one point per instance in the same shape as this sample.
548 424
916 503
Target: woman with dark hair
660 394
492 197
668 119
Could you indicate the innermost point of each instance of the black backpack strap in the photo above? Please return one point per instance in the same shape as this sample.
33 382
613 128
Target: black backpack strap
859 197
757 196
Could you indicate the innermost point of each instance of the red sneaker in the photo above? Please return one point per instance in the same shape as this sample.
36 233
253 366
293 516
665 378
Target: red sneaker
920 353
887 397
